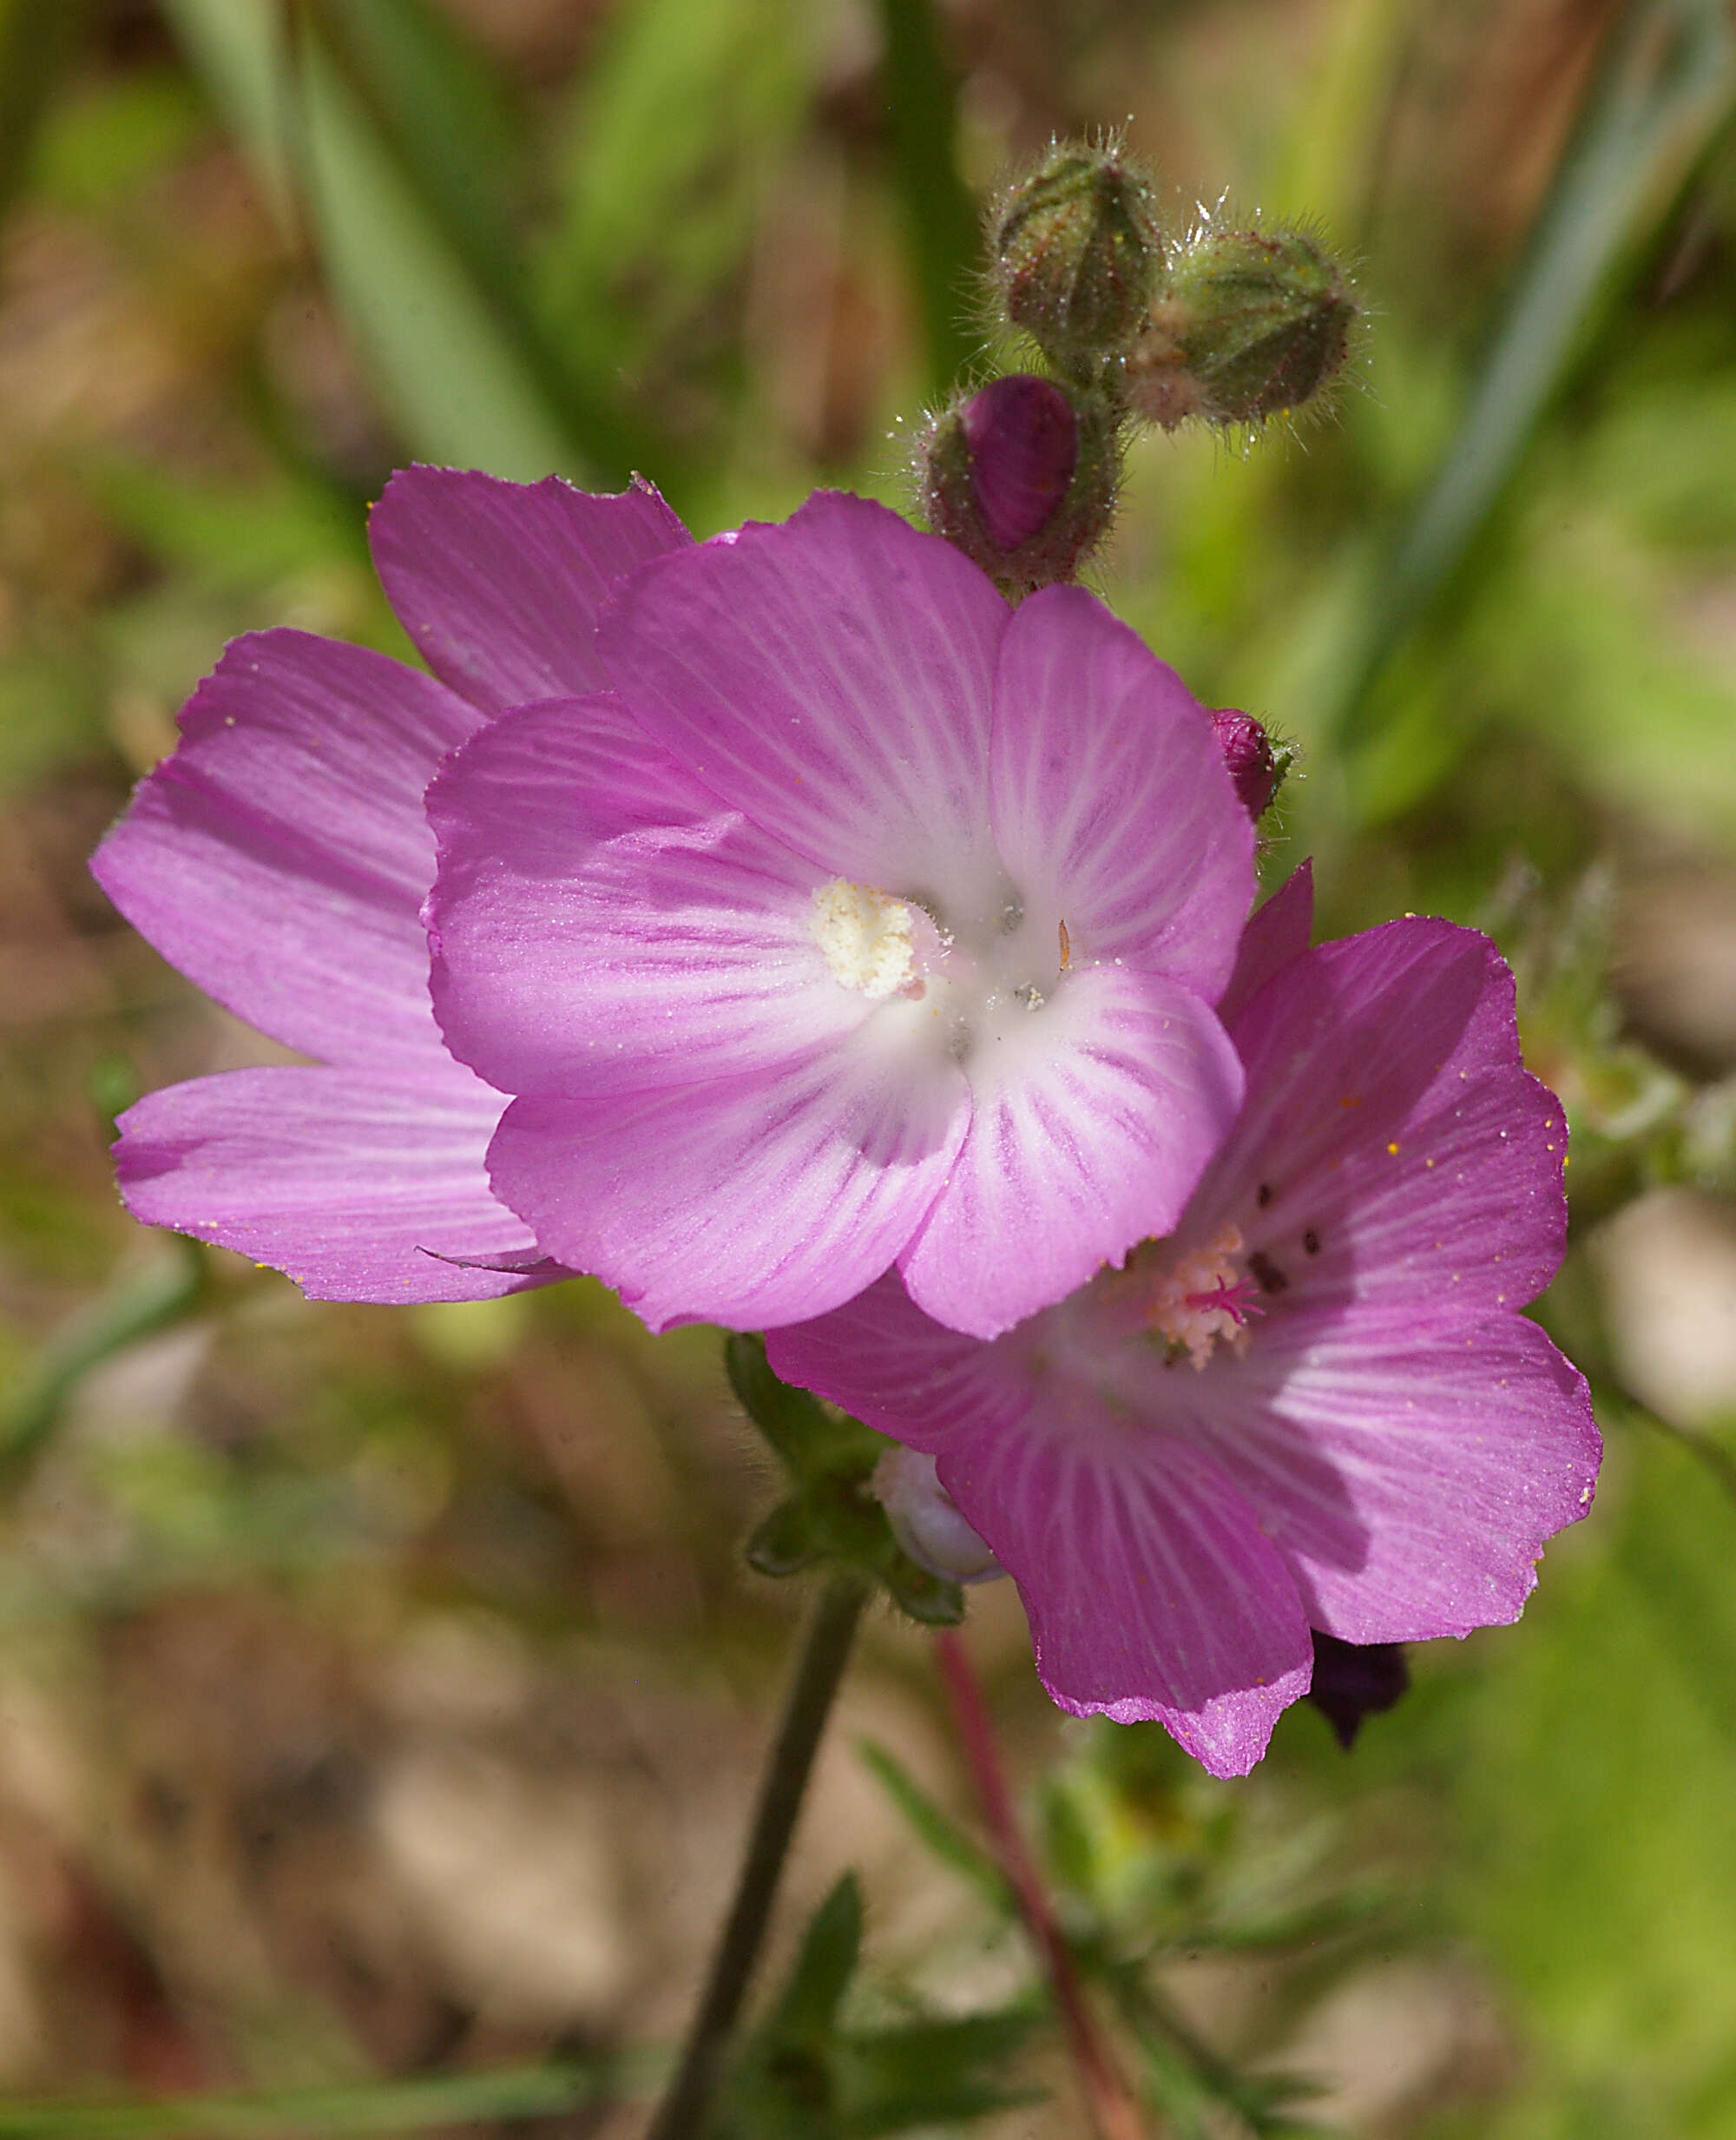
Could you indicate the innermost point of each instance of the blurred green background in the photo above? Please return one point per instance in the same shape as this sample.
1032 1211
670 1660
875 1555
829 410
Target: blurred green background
381 1690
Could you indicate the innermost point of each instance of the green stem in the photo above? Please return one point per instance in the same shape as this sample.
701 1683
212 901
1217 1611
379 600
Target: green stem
941 230
826 1649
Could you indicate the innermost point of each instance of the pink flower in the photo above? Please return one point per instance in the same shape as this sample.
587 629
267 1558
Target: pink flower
1315 1404
280 857
872 922
815 910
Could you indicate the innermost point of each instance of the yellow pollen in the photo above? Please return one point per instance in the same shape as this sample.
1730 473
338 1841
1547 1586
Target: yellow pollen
867 938
1180 1306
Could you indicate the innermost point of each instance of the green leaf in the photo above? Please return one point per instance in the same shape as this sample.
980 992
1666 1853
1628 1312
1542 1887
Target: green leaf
928 2073
238 49
155 1300
785 1541
806 2011
937 1829
942 228
38 41
811 1441
241 535
457 386
928 1599
395 2106
678 126
435 96
833 1515
1666 85
794 1422
459 363
801 2076
1600 1774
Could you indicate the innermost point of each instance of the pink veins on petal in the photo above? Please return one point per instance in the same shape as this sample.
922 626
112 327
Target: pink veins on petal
281 856
862 921
1182 1487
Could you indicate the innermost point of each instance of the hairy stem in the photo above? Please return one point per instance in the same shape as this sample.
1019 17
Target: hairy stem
826 1649
1114 2112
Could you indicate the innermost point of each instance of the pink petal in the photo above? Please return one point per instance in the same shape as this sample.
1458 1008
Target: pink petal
354 1182
1150 1590
898 1370
1278 932
281 856
499 584
1392 1147
832 677
1411 1479
1092 1119
600 922
1111 806
747 1201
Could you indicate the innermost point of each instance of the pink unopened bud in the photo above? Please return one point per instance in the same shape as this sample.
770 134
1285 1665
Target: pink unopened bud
1024 446
1250 759
1021 476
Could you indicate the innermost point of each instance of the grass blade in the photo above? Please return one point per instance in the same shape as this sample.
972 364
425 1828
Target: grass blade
941 224
1666 84
394 2106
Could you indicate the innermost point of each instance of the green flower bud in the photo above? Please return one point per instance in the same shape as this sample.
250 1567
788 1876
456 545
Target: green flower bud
1021 476
1076 254
1247 323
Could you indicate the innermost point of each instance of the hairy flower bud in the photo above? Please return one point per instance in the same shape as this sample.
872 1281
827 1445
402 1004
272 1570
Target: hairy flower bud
1247 323
1254 761
1022 477
1076 254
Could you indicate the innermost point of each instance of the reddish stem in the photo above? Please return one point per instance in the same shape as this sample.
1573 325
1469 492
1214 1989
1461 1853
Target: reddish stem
1114 2114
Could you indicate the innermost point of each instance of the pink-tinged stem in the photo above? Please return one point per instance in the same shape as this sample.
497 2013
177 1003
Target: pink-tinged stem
1115 2113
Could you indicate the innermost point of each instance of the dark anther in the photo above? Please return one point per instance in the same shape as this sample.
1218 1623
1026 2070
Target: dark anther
1265 1195
1311 1242
1271 1280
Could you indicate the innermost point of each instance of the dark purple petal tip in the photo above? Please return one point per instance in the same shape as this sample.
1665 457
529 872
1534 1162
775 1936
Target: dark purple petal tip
1356 1680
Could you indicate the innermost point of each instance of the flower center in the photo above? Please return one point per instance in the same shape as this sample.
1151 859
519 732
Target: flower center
1204 1299
867 938
974 977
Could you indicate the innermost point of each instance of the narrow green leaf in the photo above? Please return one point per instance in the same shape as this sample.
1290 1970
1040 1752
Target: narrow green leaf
38 39
434 105
1665 85
937 1829
238 49
942 232
806 2011
926 2073
435 96
397 2106
161 1296
465 375
678 127
459 390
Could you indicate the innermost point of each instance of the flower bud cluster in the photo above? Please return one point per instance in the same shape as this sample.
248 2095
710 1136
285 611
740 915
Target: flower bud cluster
1136 325
1228 325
